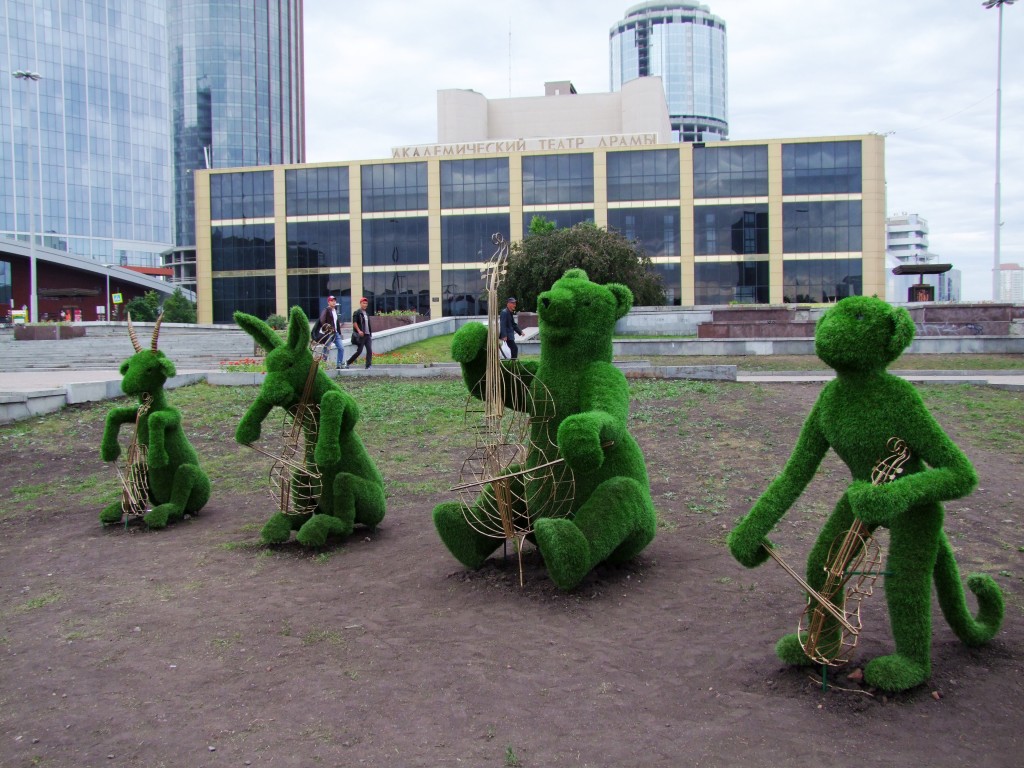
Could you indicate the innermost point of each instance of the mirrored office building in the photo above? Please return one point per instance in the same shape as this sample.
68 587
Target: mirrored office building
683 43
85 130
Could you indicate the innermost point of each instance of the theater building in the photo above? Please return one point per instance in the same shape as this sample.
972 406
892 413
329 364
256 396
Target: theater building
752 222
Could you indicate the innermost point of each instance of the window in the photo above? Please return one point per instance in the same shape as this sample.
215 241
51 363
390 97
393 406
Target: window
726 229
561 219
464 292
730 171
826 227
318 244
242 247
468 238
821 280
390 242
824 167
474 183
310 293
391 290
742 282
656 229
251 294
394 187
242 195
643 175
316 190
554 179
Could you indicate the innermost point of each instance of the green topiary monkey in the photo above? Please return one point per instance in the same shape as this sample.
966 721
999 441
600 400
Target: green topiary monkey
855 415
353 489
174 481
611 516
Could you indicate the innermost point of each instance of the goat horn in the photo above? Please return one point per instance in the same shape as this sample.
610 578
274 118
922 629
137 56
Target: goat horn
156 329
131 334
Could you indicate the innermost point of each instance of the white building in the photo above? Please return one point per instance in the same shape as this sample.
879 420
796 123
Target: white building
1011 283
906 242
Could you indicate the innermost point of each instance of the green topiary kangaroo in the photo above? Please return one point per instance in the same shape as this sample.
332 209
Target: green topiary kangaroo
175 483
353 489
855 415
611 516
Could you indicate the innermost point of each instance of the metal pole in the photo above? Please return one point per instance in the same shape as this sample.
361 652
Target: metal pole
33 301
999 127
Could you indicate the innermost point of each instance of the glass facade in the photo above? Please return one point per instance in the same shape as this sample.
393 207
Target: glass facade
656 229
726 229
818 280
730 171
554 179
312 191
826 227
394 187
684 45
474 183
318 244
467 239
826 167
252 294
721 245
86 148
236 90
729 282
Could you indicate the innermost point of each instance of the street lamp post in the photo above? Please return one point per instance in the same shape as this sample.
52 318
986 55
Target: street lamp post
989 4
33 300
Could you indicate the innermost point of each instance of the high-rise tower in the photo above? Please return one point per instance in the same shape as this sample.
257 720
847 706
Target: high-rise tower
683 44
237 97
85 130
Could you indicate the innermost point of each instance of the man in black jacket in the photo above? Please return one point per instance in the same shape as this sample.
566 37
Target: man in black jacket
507 328
361 336
330 318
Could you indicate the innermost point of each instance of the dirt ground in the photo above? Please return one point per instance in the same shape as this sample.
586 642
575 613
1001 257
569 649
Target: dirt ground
197 646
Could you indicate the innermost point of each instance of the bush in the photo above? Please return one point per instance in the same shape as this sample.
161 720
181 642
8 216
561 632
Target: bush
277 322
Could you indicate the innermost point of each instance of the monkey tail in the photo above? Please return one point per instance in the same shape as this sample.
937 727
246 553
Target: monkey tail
972 630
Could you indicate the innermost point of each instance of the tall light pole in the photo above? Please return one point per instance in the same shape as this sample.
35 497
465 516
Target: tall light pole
989 4
33 299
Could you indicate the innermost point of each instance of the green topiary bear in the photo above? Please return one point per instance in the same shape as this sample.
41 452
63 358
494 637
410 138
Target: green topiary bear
174 481
611 516
856 414
352 486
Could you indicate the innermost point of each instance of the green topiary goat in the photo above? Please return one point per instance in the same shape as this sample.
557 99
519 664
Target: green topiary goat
173 480
611 517
352 487
856 415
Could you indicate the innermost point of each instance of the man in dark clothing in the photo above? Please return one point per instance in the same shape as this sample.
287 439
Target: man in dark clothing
507 328
361 336
329 317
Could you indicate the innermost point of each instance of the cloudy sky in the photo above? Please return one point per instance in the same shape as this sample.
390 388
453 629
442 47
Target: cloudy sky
923 72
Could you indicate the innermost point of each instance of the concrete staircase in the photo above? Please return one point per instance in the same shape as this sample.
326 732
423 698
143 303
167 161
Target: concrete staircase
107 345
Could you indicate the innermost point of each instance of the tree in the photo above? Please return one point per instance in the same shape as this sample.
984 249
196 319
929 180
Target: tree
178 309
143 308
544 255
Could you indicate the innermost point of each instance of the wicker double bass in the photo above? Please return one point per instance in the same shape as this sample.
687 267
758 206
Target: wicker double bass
829 628
515 460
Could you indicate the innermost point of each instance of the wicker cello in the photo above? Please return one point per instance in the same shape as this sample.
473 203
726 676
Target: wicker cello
515 460
829 628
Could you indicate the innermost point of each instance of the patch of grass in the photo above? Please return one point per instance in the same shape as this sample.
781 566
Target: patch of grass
317 636
511 758
31 492
231 546
437 349
992 416
909 362
41 601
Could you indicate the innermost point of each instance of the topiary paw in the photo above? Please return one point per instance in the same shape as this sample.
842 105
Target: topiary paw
158 517
789 650
467 545
314 532
277 529
565 551
895 673
112 514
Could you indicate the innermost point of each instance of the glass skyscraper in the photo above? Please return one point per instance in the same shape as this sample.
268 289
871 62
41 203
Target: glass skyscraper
237 97
684 45
85 150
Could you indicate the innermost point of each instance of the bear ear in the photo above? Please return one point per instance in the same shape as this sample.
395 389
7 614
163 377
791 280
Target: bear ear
264 335
902 332
575 274
623 299
298 329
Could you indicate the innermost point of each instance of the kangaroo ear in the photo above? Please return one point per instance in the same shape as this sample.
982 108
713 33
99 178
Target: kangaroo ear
264 335
902 332
623 299
298 329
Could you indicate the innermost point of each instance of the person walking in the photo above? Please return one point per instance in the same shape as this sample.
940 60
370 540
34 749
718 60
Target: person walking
361 335
507 328
329 317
